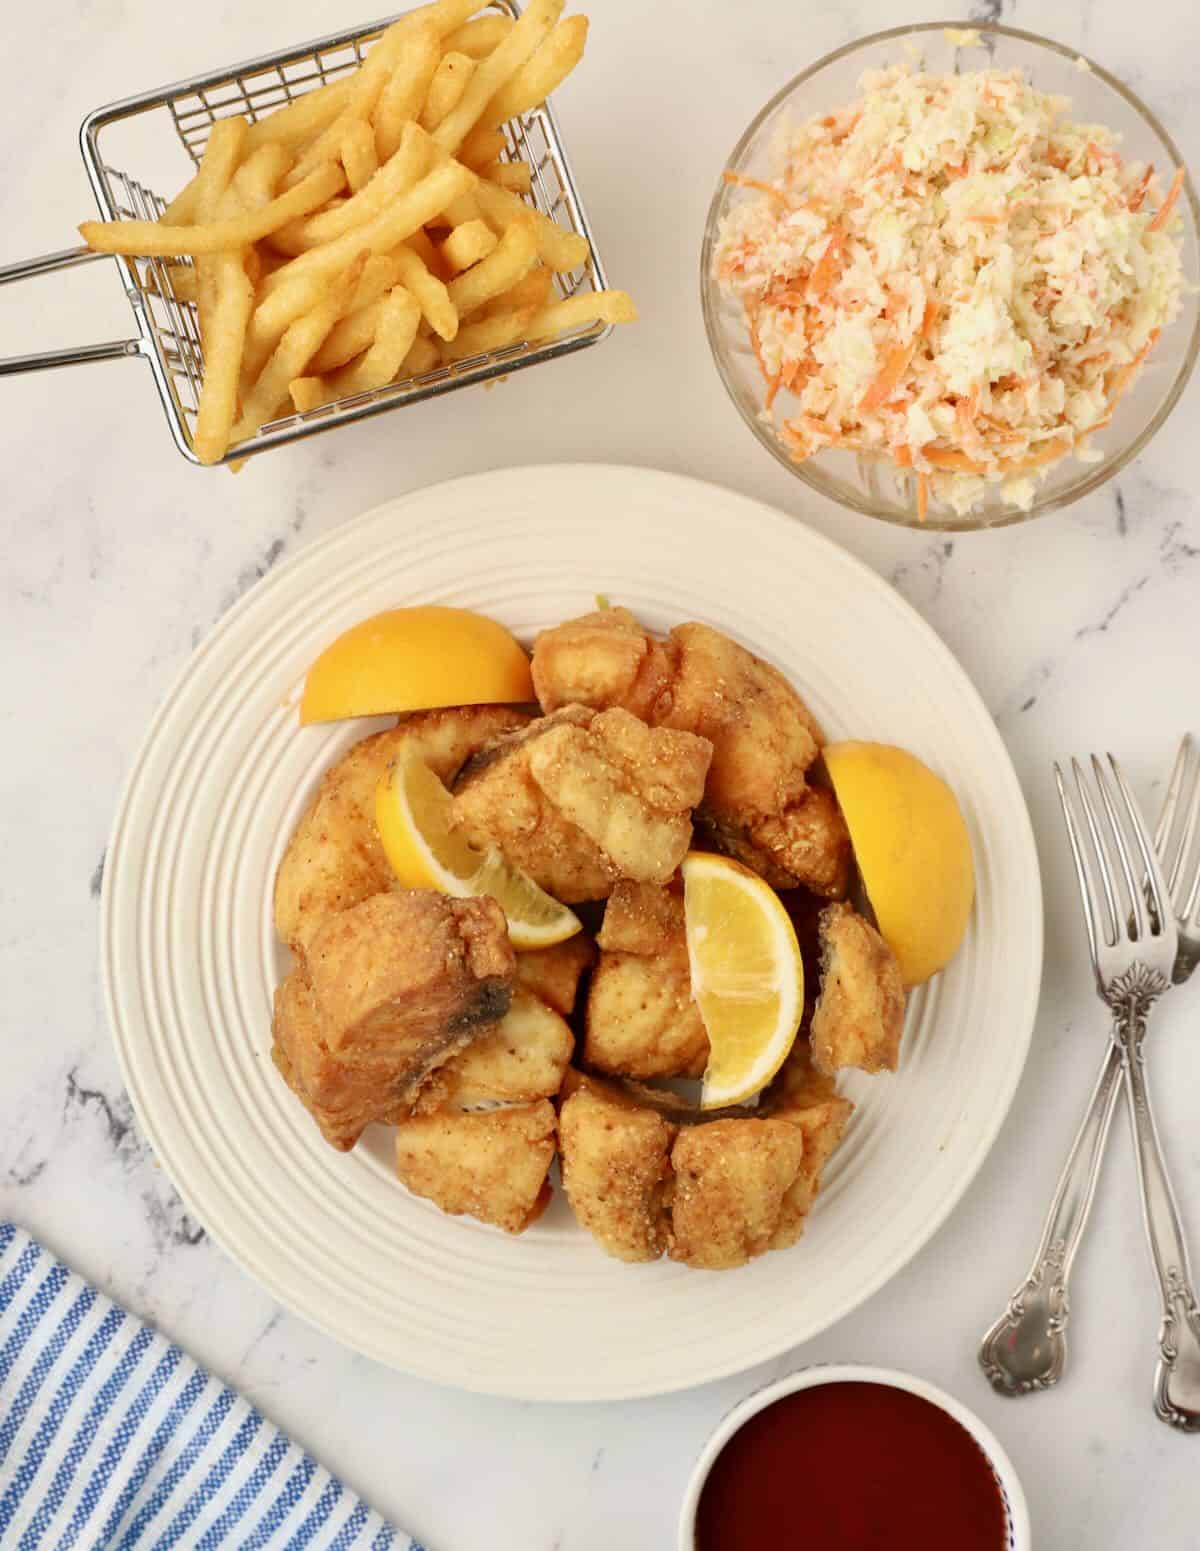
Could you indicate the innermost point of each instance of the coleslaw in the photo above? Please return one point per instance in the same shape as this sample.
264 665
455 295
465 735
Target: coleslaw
952 274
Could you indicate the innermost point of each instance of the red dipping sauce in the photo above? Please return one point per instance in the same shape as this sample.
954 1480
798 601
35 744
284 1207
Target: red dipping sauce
851 1466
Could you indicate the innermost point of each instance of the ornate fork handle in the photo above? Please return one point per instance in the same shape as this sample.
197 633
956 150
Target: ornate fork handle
1026 1349
1177 1379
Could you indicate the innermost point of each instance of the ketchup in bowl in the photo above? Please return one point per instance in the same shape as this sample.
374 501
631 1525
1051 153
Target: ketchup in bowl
851 1466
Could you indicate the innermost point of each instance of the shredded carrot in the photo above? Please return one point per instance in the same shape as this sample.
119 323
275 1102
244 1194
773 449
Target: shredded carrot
772 390
755 183
957 170
1124 375
1137 198
902 456
828 267
889 377
929 321
956 461
922 496
1168 204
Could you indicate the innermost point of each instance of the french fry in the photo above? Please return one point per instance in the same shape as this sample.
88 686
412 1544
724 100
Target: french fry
487 335
461 210
258 177
532 291
348 337
380 273
299 343
309 393
182 280
421 358
484 148
496 70
422 245
432 296
480 36
586 307
561 250
152 237
516 176
541 74
466 245
357 154
450 81
288 294
223 345
406 90
302 120
395 177
513 256
397 328
226 142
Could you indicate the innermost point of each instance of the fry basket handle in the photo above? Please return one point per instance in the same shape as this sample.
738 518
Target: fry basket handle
79 355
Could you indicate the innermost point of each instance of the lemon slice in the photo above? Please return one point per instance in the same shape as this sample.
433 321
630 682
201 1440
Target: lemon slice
415 659
413 815
747 975
913 851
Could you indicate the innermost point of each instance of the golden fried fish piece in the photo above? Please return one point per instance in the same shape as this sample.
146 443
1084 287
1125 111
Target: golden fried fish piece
553 974
523 1058
492 1166
859 1016
641 1020
806 1098
389 991
616 1171
731 1181
758 802
334 859
581 799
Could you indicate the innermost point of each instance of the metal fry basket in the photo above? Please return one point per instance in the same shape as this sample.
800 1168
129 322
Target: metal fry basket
168 334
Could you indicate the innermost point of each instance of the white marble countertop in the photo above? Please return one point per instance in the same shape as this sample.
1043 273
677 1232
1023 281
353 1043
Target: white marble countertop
1080 631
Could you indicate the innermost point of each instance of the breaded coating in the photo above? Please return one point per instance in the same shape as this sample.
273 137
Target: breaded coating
579 800
616 1169
758 802
334 859
492 1166
808 1099
523 1058
600 660
641 1020
731 1181
389 991
553 974
859 1016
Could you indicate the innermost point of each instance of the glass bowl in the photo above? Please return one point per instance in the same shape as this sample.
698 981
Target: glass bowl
871 485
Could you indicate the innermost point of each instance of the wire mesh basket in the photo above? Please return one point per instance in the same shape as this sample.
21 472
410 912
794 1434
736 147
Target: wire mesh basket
168 327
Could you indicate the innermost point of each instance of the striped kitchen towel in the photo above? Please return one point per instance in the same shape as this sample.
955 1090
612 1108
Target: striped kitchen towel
111 1438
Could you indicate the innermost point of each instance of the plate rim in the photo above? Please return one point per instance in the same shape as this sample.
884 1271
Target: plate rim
567 1391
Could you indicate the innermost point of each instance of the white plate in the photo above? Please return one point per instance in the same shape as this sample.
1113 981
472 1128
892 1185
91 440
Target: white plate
190 959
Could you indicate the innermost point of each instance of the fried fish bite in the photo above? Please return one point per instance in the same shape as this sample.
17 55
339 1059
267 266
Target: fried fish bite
581 799
806 1098
758 802
334 859
641 1020
859 1016
553 974
389 990
616 1171
523 1058
491 1166
732 1178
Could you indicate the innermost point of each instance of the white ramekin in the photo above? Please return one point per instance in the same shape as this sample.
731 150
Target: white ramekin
1016 1512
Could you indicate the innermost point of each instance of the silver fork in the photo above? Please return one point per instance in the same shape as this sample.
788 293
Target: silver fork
1134 950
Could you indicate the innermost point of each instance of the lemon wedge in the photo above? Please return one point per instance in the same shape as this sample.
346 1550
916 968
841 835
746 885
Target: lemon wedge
415 660
747 975
913 852
413 813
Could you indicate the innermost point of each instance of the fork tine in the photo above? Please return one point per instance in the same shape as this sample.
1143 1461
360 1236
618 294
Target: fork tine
1166 818
1185 899
1111 930
1159 899
1083 871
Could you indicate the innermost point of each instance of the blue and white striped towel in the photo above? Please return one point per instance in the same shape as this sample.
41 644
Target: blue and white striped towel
112 1439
